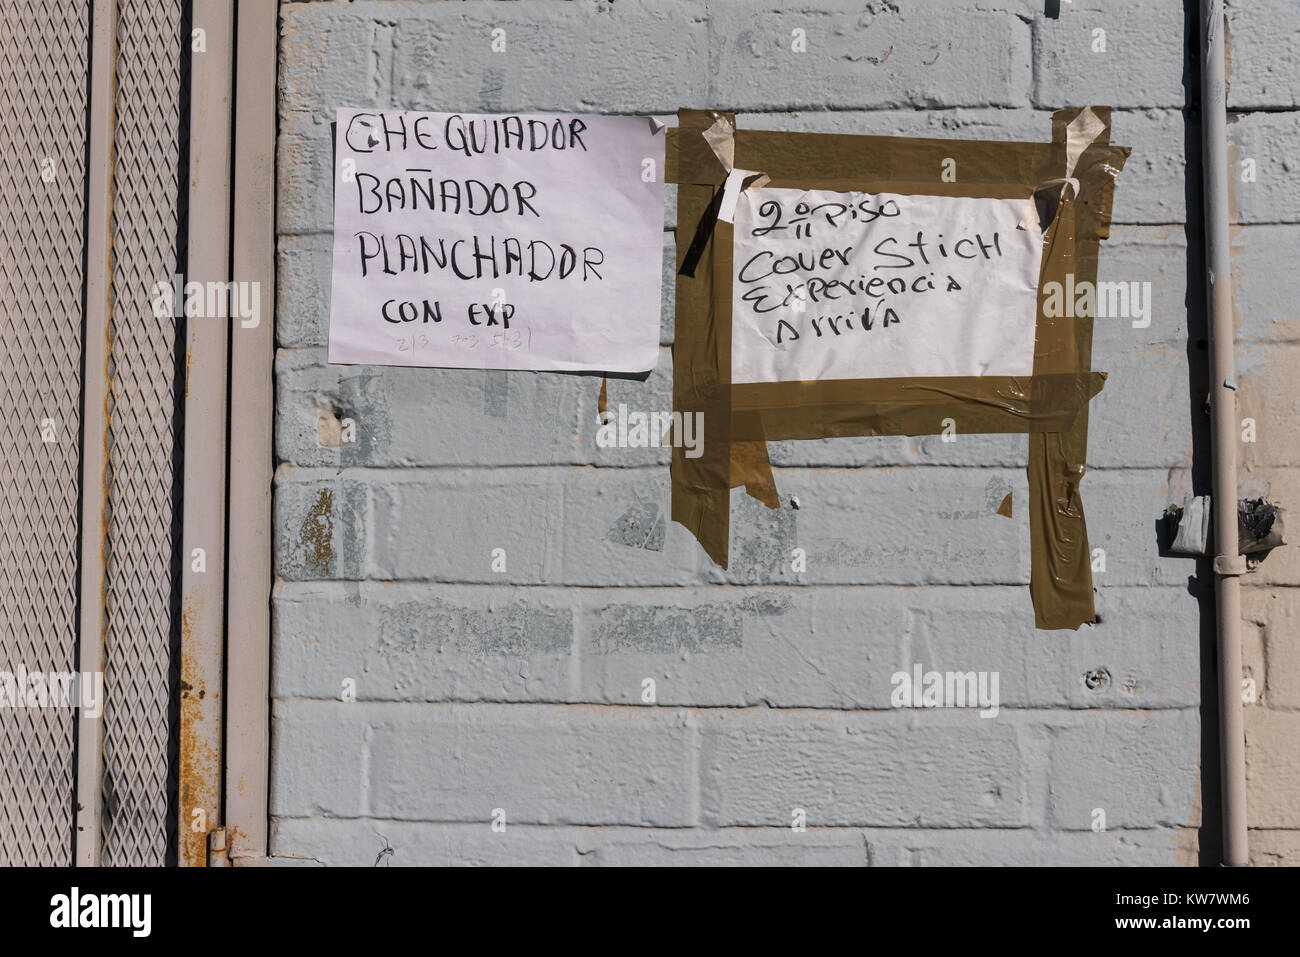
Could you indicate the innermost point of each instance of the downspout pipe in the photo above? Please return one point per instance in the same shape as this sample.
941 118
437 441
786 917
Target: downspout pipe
1229 565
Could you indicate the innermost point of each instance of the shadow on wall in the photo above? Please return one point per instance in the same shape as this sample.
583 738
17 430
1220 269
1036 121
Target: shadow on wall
1200 585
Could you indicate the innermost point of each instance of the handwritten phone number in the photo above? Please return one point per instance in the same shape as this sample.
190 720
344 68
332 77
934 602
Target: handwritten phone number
511 340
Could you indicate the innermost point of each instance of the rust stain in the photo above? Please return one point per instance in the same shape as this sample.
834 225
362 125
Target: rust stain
317 532
199 758
189 359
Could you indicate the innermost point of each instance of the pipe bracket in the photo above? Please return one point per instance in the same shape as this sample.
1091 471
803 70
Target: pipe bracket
1230 565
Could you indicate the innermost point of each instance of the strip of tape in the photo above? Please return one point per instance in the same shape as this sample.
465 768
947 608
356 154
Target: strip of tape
738 181
1081 132
721 137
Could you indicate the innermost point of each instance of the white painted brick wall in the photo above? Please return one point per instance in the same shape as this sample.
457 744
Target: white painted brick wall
523 690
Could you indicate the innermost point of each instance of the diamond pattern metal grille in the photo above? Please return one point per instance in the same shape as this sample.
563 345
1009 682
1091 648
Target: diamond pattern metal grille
141 647
44 48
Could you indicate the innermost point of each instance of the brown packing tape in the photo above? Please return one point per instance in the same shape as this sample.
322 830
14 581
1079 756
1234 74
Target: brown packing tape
701 487
1060 582
912 406
751 468
1051 405
690 158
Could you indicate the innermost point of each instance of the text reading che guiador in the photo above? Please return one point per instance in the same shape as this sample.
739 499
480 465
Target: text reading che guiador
371 132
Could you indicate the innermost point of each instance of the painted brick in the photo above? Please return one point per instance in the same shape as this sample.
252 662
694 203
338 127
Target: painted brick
1142 66
1263 44
320 748
400 642
539 764
1272 768
403 844
1271 141
933 770
1138 767
868 56
1266 286
1275 614
408 416
568 57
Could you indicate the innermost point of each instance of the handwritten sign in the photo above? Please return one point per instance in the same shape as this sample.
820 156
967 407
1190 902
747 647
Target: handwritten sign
530 241
832 285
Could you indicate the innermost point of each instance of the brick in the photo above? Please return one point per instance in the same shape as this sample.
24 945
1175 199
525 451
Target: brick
950 769
328 59
1142 66
1266 392
1274 613
317 759
558 526
414 416
1141 768
1143 417
305 177
1160 671
1158 255
405 844
1272 768
1271 141
406 642
441 524
320 524
1262 43
539 764
872 57
1266 286
1154 847
1122 507
303 279
569 57
949 532
1270 848
787 647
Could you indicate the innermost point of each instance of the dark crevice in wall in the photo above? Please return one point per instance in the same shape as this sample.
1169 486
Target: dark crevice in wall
1200 585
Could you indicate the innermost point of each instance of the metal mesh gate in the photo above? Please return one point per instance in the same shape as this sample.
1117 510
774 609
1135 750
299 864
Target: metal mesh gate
44 54
43 76
141 647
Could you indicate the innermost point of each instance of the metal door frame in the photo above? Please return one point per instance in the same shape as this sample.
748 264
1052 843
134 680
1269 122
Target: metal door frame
226 535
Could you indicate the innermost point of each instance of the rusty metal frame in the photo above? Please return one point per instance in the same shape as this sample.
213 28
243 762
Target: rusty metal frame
94 454
252 401
204 522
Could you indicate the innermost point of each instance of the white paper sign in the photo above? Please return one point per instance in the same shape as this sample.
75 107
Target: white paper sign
530 241
831 285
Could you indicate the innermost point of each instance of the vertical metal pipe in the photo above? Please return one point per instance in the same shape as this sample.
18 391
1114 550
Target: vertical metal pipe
252 401
1229 565
204 526
94 418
